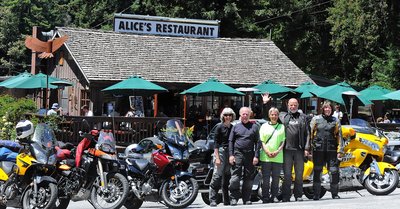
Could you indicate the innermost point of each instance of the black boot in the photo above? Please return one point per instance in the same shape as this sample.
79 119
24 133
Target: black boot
335 191
317 191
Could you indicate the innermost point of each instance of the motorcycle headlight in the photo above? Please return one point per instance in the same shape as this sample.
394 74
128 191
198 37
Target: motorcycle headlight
372 145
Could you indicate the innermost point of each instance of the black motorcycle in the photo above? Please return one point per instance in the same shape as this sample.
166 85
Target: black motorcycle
162 175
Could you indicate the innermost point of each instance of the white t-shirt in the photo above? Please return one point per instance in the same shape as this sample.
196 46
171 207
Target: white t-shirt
89 113
51 112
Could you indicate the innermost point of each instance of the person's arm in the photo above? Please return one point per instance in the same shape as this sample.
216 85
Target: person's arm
231 146
311 135
339 138
216 146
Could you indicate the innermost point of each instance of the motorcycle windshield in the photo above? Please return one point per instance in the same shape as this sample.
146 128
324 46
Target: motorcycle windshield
174 132
106 142
43 143
44 136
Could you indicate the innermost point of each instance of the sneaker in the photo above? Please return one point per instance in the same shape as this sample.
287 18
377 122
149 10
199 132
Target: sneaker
248 202
233 202
298 199
335 196
274 200
213 204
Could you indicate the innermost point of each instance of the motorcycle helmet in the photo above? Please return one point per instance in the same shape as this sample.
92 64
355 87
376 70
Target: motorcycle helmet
24 129
133 150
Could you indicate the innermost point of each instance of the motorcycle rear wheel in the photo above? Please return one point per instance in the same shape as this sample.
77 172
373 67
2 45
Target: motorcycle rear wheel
47 196
174 197
115 195
377 186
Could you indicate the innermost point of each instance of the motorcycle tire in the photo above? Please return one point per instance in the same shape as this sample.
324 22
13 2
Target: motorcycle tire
3 207
62 203
171 196
309 192
47 196
118 183
375 186
133 203
206 198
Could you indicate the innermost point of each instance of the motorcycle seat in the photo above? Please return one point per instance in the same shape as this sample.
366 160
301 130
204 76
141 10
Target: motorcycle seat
139 163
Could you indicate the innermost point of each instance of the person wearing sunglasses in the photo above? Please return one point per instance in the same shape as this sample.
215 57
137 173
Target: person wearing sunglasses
221 174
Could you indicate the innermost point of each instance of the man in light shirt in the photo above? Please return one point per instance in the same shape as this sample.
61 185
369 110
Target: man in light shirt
337 113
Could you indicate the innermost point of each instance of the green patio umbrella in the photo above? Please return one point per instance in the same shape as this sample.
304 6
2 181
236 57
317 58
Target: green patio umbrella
375 93
271 87
212 87
37 81
135 85
306 89
15 79
336 92
393 95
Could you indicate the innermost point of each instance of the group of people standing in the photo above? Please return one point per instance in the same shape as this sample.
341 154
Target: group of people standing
281 143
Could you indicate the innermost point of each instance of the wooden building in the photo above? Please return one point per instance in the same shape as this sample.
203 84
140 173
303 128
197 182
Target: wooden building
93 60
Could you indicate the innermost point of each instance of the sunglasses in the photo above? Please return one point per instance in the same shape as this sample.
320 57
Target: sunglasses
228 115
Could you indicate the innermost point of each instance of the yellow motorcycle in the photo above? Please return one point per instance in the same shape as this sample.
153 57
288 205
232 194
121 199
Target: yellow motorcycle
361 165
26 183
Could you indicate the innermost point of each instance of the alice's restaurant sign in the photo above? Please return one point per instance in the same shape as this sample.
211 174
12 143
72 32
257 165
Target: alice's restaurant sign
152 25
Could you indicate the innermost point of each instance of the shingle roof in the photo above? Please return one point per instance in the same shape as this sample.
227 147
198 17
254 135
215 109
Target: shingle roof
117 56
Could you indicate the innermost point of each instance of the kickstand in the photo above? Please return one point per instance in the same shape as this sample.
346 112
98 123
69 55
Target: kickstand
359 193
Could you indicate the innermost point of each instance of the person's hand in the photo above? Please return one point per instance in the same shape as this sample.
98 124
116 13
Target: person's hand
306 153
266 97
339 156
255 161
217 162
232 160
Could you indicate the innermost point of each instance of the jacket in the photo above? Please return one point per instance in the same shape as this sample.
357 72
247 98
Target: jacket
326 134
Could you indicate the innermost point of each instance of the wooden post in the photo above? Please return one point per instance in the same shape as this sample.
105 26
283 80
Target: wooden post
184 110
155 104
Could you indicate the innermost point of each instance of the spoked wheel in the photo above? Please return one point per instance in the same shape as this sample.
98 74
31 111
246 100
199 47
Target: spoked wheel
44 199
113 196
179 195
382 185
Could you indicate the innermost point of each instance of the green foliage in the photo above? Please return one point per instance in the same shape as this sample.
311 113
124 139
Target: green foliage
340 39
13 110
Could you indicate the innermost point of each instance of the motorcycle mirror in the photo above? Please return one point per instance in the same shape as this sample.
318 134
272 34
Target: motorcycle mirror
85 126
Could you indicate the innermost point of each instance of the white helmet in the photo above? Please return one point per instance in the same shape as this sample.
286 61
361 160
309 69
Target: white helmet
24 129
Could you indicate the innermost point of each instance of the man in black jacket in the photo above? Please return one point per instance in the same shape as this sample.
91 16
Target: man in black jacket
297 132
244 149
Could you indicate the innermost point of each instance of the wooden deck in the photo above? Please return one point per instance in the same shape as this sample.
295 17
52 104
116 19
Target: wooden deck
127 130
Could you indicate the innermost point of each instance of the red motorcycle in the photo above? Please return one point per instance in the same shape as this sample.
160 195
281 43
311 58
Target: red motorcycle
164 176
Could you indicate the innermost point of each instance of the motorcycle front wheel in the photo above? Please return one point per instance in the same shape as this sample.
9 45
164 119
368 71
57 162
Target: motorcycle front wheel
181 195
45 199
382 185
113 196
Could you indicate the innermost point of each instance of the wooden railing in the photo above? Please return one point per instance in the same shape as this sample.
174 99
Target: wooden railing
127 130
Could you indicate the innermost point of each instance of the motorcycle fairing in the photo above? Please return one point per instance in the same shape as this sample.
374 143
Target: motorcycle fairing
83 145
382 166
